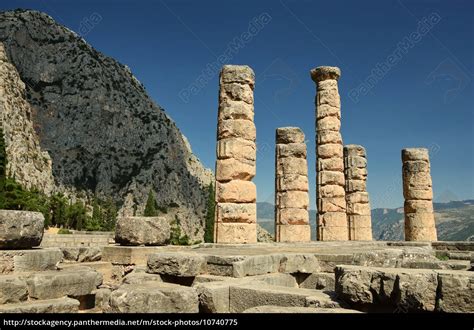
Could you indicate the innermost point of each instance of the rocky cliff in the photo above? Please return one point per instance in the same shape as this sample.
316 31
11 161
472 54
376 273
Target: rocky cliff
71 111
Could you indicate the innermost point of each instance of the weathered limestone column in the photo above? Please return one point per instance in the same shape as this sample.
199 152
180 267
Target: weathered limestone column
236 194
291 187
330 193
357 197
418 193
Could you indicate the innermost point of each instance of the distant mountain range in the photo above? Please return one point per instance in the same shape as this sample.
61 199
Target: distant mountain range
454 221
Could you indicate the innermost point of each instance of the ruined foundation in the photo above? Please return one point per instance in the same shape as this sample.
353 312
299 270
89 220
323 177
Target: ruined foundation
418 193
357 197
330 192
236 194
291 187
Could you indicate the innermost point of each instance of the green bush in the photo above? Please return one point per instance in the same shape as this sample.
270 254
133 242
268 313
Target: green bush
64 231
210 215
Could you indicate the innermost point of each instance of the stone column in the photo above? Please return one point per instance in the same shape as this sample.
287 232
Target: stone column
418 193
330 194
291 187
236 210
357 198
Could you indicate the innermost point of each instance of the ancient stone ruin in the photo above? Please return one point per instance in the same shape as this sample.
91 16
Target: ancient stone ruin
357 197
418 193
330 193
31 280
291 187
140 273
236 194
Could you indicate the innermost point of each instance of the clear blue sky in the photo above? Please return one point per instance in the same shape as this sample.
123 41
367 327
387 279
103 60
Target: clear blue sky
424 97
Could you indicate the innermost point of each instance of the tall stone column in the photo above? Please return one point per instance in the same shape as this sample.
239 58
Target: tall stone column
418 193
236 210
357 197
291 187
330 194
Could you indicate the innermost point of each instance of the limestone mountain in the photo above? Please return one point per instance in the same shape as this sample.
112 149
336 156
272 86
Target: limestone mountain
79 122
454 221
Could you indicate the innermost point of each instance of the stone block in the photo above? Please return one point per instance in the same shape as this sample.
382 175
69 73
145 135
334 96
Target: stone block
20 229
355 161
417 180
419 220
333 233
242 74
427 234
61 305
418 206
184 264
330 178
292 182
154 297
329 123
326 76
354 150
358 197
243 297
142 231
416 166
401 289
237 128
292 199
415 154
233 212
293 233
236 148
15 261
319 281
356 185
331 191
76 282
297 150
299 263
359 221
236 191
286 135
358 208
238 233
328 137
336 204
292 166
356 173
456 291
129 255
332 219
329 97
292 216
236 92
229 109
326 110
330 164
233 169
213 297
13 289
268 309
330 150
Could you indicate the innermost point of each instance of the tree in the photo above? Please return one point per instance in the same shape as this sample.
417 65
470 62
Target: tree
151 207
109 215
76 215
210 216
